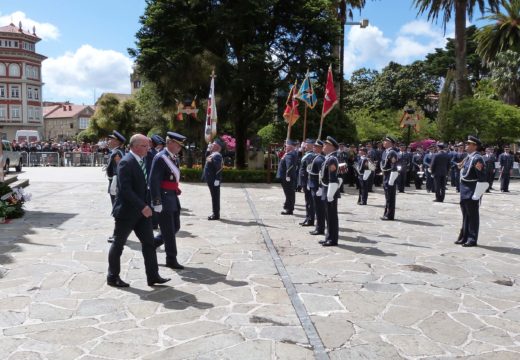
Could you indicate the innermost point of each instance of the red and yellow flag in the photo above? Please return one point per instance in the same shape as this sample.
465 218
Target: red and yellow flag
330 99
291 114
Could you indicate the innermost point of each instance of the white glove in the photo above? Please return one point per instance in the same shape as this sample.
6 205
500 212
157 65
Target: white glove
366 175
480 189
113 186
157 208
393 177
216 183
331 191
319 192
308 187
288 179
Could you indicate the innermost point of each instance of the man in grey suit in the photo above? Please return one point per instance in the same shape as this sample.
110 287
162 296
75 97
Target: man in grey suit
440 167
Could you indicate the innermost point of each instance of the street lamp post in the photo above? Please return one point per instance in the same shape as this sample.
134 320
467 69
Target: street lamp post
363 24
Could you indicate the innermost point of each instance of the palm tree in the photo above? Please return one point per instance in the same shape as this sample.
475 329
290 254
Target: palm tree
503 34
461 8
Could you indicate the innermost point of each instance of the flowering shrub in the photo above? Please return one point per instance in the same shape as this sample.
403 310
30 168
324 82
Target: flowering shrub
231 142
425 144
11 201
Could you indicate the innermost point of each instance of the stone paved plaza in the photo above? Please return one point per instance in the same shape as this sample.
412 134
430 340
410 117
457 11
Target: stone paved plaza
256 284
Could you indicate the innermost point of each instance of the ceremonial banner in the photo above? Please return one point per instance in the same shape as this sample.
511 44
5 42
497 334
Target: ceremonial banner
306 93
210 130
330 99
291 114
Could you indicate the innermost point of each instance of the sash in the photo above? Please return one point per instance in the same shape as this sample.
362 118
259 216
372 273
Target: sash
174 169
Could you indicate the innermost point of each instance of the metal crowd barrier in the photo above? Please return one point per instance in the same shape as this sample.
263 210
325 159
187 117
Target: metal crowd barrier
84 159
44 159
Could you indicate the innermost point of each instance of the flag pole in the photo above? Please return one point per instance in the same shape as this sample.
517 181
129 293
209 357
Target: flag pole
289 125
321 126
305 123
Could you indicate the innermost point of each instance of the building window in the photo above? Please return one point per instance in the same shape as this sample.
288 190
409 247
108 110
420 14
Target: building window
2 69
14 70
137 84
3 92
15 91
3 111
37 113
15 112
36 93
83 122
29 93
30 112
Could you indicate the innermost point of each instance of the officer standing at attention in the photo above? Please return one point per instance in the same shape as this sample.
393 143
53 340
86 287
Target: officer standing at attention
506 161
427 160
303 179
363 176
472 185
489 160
212 174
314 185
417 164
157 145
457 159
390 174
330 183
403 165
164 187
439 167
288 175
116 144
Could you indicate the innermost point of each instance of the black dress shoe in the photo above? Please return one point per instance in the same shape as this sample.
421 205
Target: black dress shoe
110 239
386 218
117 283
308 223
321 242
213 217
157 281
303 222
329 243
469 244
174 265
286 212
315 232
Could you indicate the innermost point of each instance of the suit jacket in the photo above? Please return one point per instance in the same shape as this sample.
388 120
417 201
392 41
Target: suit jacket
440 164
132 190
473 171
287 167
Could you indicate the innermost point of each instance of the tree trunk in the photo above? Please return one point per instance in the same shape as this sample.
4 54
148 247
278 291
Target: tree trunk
461 79
241 137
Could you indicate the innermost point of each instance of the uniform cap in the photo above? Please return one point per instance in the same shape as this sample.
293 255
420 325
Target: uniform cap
290 142
330 140
474 140
390 138
157 140
178 138
441 145
318 143
117 135
220 143
309 141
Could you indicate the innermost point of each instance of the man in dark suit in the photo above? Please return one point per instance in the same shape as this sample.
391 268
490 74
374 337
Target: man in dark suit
506 161
288 175
212 174
164 189
472 185
132 213
439 168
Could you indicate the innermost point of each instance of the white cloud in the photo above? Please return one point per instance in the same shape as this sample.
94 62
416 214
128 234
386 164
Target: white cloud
370 47
75 76
45 31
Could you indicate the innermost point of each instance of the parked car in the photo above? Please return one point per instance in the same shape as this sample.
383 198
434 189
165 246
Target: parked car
11 158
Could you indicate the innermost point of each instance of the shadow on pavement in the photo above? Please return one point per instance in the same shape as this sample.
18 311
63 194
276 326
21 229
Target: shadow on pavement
501 249
359 239
170 297
365 250
207 277
417 222
242 223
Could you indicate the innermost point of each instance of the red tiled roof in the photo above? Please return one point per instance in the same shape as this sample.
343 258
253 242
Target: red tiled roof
63 111
11 28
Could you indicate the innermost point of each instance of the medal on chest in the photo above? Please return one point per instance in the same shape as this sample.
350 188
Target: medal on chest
171 177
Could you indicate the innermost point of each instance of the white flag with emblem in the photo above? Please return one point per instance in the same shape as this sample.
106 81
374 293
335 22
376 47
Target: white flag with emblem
210 130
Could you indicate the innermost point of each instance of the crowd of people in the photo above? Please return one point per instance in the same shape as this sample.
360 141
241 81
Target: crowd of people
61 146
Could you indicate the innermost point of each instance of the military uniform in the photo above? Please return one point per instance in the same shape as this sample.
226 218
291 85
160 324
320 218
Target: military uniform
506 161
472 186
490 159
164 188
390 173
456 160
288 176
314 186
330 183
403 163
417 162
212 174
439 167
303 179
363 179
427 160
116 154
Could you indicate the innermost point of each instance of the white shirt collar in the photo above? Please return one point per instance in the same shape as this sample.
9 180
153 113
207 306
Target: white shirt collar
137 157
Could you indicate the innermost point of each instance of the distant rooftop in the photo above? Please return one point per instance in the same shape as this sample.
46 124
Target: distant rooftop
11 28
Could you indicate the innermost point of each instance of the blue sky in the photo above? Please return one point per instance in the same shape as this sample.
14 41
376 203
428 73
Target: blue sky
86 41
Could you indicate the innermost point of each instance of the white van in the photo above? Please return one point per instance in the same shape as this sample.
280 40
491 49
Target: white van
27 136
11 158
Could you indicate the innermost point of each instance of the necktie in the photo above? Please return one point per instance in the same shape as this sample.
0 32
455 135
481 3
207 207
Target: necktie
143 167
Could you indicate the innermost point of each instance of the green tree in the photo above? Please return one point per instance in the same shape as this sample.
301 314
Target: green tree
446 101
503 34
458 8
373 125
505 74
150 114
111 114
252 45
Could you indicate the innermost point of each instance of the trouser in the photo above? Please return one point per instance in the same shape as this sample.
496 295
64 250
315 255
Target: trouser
319 209
457 179
215 199
389 199
470 220
418 181
453 176
143 230
429 182
309 205
169 221
289 191
371 182
490 176
504 181
332 233
440 187
363 190
401 181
